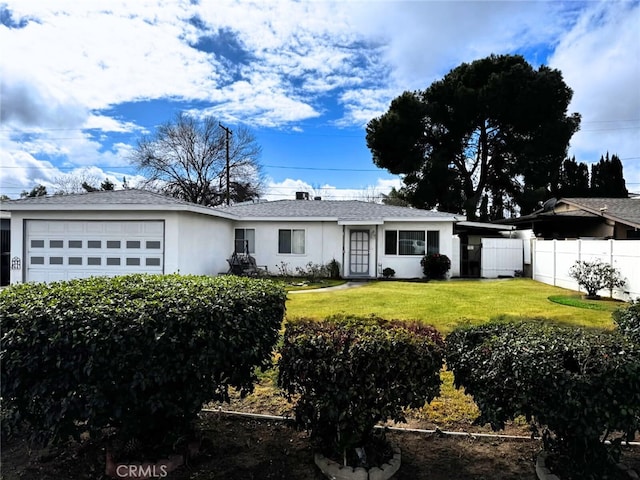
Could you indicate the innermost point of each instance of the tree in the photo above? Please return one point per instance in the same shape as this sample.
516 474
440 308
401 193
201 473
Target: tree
186 158
573 180
104 186
74 182
596 275
37 191
607 179
395 197
493 127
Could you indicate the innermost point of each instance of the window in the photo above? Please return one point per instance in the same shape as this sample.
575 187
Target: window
94 244
98 261
37 260
152 262
113 243
37 243
133 243
433 241
75 261
404 242
112 261
55 260
131 261
75 243
153 244
291 241
245 240
56 243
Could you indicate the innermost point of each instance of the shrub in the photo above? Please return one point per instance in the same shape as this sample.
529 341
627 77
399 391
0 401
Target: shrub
313 272
575 385
595 275
349 373
628 320
334 269
137 355
435 266
388 272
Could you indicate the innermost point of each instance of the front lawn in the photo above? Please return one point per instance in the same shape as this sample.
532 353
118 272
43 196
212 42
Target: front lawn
443 304
447 304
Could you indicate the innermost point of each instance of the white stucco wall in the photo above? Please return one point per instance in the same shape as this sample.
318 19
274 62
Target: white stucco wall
323 242
408 266
203 244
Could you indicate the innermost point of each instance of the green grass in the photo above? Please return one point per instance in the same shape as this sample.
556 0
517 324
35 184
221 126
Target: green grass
448 304
606 305
442 304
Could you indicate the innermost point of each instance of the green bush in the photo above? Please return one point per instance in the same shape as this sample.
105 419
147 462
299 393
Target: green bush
435 266
628 320
595 275
349 373
577 386
334 269
137 355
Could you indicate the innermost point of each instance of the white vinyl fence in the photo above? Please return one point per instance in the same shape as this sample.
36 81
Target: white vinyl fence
501 257
553 258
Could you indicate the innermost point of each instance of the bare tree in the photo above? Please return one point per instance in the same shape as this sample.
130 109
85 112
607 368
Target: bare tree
187 159
74 182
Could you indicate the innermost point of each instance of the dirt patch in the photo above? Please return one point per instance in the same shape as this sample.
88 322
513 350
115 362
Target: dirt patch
244 448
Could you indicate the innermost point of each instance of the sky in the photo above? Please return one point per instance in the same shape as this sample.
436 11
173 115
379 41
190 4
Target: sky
82 81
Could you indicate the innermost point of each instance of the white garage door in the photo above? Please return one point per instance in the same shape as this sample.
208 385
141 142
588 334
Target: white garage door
61 249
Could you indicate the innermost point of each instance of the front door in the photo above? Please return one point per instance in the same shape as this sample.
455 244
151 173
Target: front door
359 253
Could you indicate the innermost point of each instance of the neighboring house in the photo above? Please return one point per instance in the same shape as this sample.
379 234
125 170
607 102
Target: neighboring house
596 218
126 231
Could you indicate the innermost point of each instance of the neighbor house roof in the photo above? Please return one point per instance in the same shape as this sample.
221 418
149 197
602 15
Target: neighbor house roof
342 211
621 210
132 199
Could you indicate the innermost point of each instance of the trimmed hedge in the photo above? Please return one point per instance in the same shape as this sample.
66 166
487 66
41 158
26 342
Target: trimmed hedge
628 320
137 355
349 373
577 385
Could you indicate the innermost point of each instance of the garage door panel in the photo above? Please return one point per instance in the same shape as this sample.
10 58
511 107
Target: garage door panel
60 250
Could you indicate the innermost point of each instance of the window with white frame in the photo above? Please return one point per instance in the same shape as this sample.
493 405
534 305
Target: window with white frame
245 240
411 242
291 241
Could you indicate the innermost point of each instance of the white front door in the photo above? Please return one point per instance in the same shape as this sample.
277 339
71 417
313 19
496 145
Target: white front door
359 252
65 249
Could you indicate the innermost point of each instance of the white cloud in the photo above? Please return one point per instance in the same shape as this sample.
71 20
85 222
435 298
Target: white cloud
600 61
286 190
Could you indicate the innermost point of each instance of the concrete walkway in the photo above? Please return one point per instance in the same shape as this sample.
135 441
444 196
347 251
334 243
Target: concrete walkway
344 286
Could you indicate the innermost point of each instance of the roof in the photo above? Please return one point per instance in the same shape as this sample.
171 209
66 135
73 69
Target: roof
621 210
342 211
131 199
345 212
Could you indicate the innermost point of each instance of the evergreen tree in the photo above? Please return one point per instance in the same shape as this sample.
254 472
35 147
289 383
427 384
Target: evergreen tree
607 178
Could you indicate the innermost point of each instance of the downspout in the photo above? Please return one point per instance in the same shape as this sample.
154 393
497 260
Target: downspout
344 267
376 254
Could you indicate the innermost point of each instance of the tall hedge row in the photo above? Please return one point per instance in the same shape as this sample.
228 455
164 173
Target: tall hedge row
349 373
136 354
577 385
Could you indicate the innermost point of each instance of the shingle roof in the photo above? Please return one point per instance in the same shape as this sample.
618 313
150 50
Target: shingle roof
109 197
340 210
335 210
625 210
108 200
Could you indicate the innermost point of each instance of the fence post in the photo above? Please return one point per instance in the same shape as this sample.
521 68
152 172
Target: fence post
555 258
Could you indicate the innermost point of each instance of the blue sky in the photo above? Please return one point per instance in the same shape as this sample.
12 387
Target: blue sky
82 81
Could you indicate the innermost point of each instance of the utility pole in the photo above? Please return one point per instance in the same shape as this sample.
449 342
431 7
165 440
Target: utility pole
228 132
